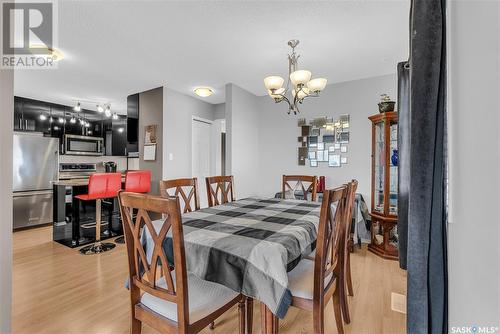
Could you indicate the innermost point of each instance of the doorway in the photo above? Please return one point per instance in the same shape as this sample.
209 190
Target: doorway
202 158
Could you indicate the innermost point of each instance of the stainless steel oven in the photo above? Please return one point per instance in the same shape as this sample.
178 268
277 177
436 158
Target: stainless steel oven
82 145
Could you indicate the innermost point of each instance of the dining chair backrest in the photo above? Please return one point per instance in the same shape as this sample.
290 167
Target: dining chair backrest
138 181
351 197
180 187
144 275
220 190
104 185
330 242
287 191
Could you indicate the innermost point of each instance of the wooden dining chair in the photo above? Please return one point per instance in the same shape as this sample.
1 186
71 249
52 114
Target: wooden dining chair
287 191
222 192
314 283
347 278
162 294
191 201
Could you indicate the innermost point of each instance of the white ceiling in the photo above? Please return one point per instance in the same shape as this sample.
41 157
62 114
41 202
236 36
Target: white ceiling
116 48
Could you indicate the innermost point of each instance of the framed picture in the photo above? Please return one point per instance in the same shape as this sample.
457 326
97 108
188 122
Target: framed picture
343 160
325 155
343 148
314 132
319 156
312 155
337 146
313 163
331 148
321 146
334 160
305 130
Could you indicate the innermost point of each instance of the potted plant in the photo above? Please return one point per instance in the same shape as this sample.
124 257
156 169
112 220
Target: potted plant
386 104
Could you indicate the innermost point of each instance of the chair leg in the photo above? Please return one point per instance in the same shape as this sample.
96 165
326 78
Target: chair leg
337 311
249 311
242 315
344 304
348 275
135 326
319 319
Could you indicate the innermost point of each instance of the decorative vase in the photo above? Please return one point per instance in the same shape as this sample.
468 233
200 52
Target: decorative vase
394 157
386 106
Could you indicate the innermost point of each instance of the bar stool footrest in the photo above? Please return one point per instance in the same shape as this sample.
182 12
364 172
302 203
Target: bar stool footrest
97 248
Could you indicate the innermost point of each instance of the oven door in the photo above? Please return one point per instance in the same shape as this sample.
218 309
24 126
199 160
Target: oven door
82 145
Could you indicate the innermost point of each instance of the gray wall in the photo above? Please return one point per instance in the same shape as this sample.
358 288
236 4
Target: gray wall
6 107
151 113
179 110
278 133
220 111
473 232
242 145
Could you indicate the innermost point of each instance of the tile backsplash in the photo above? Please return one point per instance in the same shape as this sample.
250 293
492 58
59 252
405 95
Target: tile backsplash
121 162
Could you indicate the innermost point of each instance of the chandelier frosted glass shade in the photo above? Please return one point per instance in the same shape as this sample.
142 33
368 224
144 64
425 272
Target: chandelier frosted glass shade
299 84
317 85
273 82
300 77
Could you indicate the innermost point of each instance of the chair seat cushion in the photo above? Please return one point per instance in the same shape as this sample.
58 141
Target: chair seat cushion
301 279
204 298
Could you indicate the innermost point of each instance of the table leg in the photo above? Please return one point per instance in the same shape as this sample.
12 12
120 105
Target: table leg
269 322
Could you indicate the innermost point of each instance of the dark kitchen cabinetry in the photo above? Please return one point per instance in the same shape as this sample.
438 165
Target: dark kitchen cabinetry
115 136
133 123
54 120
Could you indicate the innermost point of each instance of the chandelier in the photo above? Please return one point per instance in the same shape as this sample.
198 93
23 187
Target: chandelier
303 86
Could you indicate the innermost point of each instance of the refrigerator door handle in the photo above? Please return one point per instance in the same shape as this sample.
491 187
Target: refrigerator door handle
31 193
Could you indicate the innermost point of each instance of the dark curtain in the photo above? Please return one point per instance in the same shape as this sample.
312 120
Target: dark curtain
426 255
404 159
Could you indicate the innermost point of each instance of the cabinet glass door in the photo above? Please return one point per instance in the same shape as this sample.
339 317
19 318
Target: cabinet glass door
379 171
393 167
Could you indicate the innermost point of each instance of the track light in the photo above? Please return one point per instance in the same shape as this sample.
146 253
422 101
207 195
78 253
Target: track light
61 120
51 119
115 116
107 112
72 120
43 117
78 107
100 109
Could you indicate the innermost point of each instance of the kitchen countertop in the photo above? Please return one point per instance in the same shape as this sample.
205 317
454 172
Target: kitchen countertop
76 182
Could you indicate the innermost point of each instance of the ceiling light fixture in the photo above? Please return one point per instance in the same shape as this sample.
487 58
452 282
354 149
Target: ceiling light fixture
43 117
100 109
302 88
72 120
115 116
203 91
78 107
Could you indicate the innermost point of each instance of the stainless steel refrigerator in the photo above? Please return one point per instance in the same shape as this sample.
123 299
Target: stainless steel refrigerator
36 161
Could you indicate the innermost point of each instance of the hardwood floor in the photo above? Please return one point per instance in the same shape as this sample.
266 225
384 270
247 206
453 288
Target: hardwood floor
58 290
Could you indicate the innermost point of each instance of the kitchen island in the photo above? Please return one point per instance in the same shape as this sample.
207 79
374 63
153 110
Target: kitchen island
74 220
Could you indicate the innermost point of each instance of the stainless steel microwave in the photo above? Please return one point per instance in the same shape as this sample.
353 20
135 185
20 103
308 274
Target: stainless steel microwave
82 145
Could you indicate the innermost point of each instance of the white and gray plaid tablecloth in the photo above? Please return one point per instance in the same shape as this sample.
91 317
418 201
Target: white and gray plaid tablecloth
248 245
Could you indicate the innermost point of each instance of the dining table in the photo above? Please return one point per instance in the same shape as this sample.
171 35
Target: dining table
249 246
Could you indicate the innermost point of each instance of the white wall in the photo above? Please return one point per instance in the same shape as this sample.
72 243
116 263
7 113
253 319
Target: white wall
220 111
474 232
278 133
178 110
242 131
6 108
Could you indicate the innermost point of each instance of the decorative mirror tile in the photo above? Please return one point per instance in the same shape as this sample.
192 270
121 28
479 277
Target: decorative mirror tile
321 138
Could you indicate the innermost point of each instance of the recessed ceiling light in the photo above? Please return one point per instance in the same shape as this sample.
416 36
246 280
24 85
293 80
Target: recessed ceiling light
203 91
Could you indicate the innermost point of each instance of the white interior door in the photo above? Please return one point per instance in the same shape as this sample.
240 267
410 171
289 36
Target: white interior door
202 156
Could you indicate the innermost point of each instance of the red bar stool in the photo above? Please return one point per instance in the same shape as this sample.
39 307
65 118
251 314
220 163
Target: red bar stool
101 186
137 181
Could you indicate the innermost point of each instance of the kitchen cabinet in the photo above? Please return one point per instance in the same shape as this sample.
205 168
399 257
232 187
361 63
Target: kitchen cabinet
56 122
133 123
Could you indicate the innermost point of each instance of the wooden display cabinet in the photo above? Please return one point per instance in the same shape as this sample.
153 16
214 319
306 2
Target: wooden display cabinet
384 203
